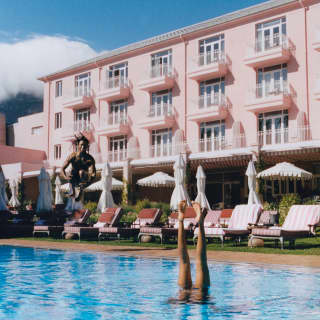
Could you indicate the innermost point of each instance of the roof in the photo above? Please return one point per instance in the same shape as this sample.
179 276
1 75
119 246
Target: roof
180 32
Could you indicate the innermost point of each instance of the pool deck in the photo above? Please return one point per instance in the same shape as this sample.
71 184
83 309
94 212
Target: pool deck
221 256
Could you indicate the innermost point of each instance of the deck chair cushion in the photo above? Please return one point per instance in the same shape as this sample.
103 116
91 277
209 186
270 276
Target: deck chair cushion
244 214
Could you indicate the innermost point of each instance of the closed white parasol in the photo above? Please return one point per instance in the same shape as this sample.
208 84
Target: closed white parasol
44 202
179 193
251 173
106 199
158 179
201 186
58 196
14 202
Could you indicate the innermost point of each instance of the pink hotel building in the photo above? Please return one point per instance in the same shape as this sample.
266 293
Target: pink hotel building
241 86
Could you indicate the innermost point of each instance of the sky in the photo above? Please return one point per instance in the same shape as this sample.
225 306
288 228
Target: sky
38 37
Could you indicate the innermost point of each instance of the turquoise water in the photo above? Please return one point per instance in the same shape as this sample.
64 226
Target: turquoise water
48 284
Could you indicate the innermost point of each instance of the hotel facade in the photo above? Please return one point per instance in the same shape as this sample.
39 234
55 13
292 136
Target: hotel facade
242 86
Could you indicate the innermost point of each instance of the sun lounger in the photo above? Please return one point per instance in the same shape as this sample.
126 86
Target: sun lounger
242 216
108 222
78 225
212 220
300 222
146 217
165 233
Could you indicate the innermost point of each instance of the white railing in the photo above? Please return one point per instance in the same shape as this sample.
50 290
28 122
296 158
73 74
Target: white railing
82 91
216 99
215 56
81 125
278 87
284 135
158 110
117 155
117 118
219 143
116 82
161 150
268 43
161 70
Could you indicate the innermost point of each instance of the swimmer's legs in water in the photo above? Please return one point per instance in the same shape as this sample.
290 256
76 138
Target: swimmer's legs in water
184 280
202 270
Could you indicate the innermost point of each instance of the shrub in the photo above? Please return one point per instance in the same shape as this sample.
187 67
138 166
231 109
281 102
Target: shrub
93 218
271 206
142 204
92 206
285 204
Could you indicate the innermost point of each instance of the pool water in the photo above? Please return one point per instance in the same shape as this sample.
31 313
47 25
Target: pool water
50 284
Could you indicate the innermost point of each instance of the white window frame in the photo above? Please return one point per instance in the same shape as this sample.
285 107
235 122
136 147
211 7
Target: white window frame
58 88
161 141
212 92
211 50
58 120
36 131
118 112
212 136
83 85
118 148
57 152
161 103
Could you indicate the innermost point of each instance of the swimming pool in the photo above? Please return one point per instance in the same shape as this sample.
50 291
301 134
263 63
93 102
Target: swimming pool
50 284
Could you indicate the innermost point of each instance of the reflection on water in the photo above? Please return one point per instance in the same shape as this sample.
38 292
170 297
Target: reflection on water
49 284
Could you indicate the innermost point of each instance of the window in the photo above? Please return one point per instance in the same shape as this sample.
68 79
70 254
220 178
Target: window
36 131
211 50
58 120
270 34
161 143
118 75
161 63
118 112
118 148
83 85
272 81
58 88
82 120
273 128
212 136
57 152
161 103
212 93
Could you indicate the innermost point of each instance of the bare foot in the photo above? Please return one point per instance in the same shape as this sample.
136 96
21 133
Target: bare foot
181 209
199 213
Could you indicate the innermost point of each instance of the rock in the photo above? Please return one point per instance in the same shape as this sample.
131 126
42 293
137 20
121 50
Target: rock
146 239
256 242
70 236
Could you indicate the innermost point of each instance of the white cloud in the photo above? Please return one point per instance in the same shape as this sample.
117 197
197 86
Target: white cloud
22 62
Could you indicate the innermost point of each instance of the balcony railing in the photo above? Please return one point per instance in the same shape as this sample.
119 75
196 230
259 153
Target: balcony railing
81 125
82 91
216 99
117 118
268 43
278 87
284 135
161 70
218 143
161 150
158 110
216 56
116 82
117 155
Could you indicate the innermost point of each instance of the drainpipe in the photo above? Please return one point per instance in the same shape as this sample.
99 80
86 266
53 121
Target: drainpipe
185 85
303 5
49 99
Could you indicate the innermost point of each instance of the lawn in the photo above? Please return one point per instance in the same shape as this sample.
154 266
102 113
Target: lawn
306 246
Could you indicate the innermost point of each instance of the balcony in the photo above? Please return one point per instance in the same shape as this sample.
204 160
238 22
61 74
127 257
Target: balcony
159 116
159 78
161 150
76 127
270 51
317 90
316 43
209 66
280 139
210 108
269 98
113 125
116 88
81 97
223 145
117 155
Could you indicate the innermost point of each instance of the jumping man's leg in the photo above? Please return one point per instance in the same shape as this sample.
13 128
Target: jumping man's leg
184 280
202 271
